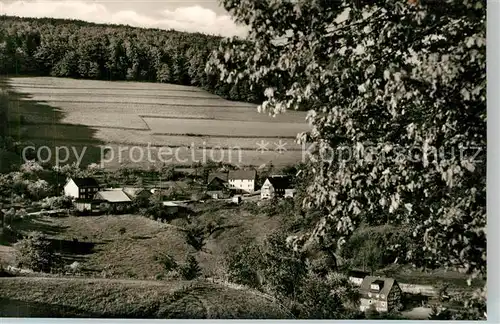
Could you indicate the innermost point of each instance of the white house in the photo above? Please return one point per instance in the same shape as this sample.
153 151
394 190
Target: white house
242 180
357 277
81 188
277 186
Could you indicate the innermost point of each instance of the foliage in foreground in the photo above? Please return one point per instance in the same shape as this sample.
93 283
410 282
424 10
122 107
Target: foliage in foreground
275 268
35 253
397 99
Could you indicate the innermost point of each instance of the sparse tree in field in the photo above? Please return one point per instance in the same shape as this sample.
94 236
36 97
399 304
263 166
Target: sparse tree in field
167 262
396 93
195 236
190 270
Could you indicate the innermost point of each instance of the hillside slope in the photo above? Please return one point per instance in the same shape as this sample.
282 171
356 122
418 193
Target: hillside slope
105 298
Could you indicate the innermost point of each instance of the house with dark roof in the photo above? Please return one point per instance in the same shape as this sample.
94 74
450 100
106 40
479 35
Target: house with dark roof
81 188
217 185
357 277
381 294
242 180
217 178
134 192
277 186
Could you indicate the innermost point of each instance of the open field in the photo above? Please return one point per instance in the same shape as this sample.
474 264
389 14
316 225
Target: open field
95 113
161 125
104 298
138 137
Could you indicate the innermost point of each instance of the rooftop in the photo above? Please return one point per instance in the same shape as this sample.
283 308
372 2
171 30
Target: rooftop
85 182
280 182
242 175
220 175
112 196
386 283
357 274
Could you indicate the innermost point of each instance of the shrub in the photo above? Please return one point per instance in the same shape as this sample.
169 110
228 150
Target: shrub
243 265
283 268
35 252
59 202
377 247
333 297
191 269
141 201
195 236
9 235
167 261
38 189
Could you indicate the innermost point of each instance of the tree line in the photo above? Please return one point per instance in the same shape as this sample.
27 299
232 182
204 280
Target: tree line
77 49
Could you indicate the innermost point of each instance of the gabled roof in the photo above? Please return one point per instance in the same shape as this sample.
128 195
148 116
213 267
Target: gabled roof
242 175
280 182
134 192
386 283
112 196
219 175
357 274
85 182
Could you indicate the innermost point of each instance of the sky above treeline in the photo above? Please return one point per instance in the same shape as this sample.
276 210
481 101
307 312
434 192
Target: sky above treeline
205 16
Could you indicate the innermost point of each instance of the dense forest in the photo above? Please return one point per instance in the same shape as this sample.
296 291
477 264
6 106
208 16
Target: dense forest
77 49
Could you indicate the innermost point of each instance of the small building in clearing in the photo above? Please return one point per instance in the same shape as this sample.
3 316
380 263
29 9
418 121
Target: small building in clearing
217 187
277 186
113 196
357 277
81 188
242 180
86 205
381 294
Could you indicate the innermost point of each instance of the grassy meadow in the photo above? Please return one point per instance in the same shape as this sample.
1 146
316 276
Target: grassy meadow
105 251
73 297
85 113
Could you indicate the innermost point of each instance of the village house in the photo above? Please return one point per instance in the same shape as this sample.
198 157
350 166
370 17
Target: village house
218 186
81 188
133 192
357 277
110 196
277 186
381 294
113 196
89 205
242 180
